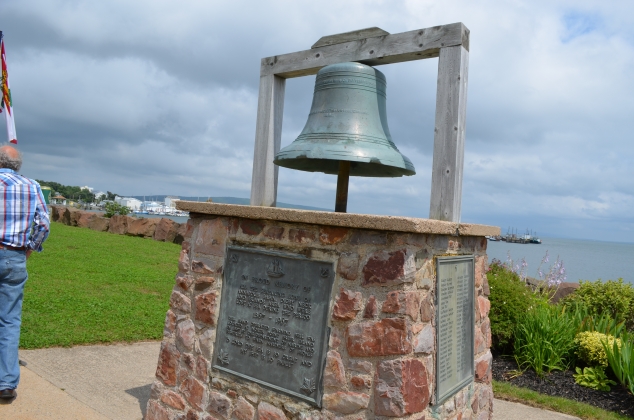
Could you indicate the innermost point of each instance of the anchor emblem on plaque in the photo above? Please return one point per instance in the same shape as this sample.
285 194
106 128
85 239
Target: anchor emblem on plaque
234 258
275 269
223 358
308 387
324 272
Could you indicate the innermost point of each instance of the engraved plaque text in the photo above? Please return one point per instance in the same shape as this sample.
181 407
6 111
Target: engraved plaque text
455 322
272 325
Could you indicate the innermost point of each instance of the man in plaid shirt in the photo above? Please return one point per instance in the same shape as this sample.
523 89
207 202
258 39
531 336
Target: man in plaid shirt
24 225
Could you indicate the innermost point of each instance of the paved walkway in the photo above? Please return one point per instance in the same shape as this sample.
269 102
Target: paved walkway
113 382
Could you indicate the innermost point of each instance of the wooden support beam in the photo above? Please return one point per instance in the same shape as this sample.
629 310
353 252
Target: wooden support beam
374 51
268 137
449 134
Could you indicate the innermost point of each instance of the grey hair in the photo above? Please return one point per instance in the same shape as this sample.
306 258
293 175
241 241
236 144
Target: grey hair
10 162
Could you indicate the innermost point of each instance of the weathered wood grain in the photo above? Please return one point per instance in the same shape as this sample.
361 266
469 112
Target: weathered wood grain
449 134
268 137
395 48
349 36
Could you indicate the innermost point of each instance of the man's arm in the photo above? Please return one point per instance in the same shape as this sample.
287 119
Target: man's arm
41 225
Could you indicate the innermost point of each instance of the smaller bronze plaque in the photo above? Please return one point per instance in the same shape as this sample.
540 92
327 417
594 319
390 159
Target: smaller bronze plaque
272 327
455 324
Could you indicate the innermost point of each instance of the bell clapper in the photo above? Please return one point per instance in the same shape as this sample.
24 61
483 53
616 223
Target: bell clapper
341 202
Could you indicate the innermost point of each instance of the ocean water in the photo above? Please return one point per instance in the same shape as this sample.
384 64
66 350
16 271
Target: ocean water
582 259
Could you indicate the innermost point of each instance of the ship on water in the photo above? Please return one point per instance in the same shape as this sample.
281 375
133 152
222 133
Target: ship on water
512 236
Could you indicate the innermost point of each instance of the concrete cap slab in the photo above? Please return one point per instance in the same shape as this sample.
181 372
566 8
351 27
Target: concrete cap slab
350 220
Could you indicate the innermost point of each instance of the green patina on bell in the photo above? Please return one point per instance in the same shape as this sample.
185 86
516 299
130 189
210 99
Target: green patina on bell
347 123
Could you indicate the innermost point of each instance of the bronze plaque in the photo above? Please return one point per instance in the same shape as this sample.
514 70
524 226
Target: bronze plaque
455 323
272 327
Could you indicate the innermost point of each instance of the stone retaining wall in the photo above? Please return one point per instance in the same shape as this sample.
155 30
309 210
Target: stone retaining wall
381 355
164 230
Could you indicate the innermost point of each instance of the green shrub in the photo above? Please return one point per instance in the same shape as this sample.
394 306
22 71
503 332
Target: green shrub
510 298
613 298
544 339
621 359
115 208
590 347
594 378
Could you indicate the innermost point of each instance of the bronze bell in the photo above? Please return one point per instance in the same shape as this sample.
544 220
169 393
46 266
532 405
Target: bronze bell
346 132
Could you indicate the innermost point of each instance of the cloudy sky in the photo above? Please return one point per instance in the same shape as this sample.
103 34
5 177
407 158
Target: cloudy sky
160 97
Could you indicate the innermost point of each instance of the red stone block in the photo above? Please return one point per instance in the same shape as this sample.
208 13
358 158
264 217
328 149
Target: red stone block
156 412
405 303
329 235
483 367
251 227
348 265
219 404
211 236
267 411
180 302
85 218
119 224
99 224
483 307
206 307
142 227
201 268
401 388
166 230
335 338
184 281
167 364
173 399
386 337
170 323
202 283
346 402
183 261
384 268
486 331
194 392
427 308
371 308
347 306
186 333
360 382
201 371
334 373
480 270
243 410
274 232
302 236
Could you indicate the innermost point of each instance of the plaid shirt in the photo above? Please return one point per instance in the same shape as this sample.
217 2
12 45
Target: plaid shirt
23 212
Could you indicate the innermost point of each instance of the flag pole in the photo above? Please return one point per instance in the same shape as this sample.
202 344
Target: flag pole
6 103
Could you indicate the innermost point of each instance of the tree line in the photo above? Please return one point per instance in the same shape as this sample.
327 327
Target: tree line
74 192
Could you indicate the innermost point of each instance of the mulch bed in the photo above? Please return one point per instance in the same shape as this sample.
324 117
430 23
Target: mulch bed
562 384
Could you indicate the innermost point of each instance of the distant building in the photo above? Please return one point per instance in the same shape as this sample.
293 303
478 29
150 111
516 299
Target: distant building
58 199
86 188
99 194
129 202
170 201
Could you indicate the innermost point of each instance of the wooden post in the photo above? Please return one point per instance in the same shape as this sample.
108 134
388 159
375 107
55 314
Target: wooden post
449 134
343 179
268 136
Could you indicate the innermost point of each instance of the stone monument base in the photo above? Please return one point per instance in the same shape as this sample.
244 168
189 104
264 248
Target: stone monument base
379 351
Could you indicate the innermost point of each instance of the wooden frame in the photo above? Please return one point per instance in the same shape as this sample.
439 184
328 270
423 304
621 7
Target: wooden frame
448 42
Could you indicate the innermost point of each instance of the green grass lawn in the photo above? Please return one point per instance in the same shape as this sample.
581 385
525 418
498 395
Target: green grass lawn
95 287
